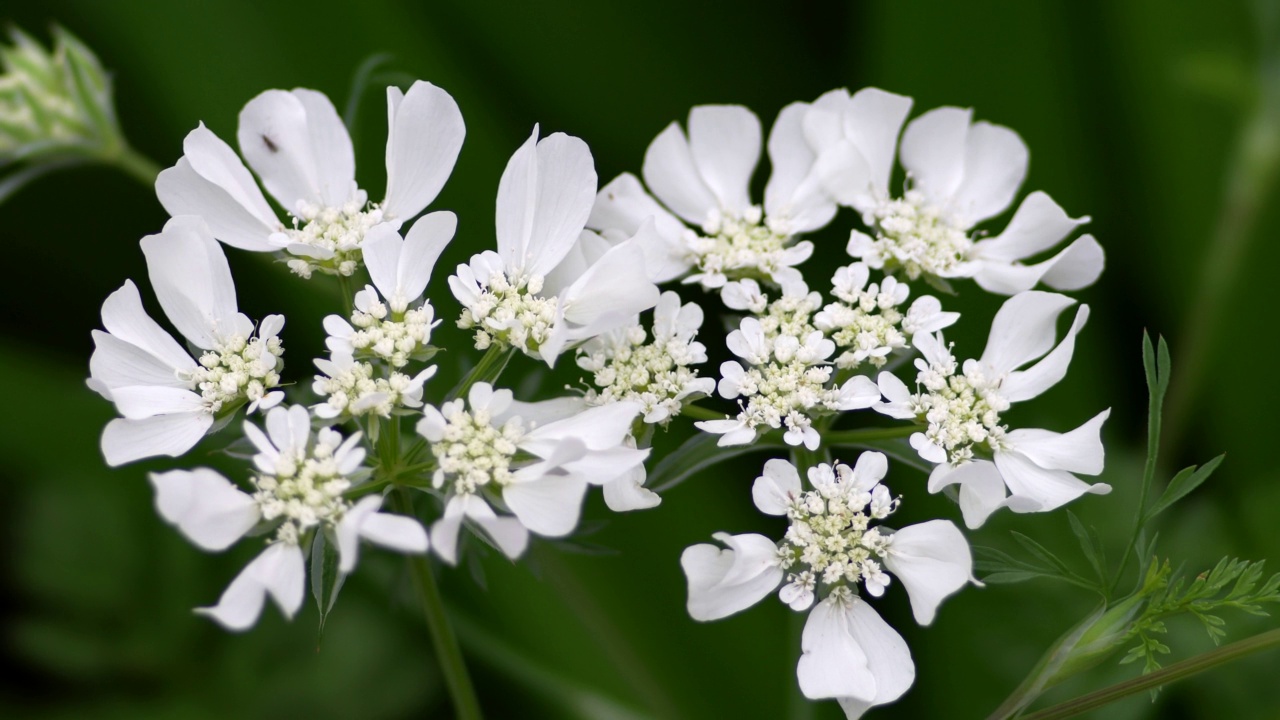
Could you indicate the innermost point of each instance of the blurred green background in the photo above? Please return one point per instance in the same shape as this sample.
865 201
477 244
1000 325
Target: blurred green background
1131 108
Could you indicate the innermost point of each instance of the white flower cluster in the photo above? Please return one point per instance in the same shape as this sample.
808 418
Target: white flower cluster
658 374
472 453
351 387
868 323
733 248
787 384
237 369
912 237
380 331
328 239
508 312
849 652
962 410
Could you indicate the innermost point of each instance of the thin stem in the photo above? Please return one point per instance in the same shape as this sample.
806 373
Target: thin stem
853 437
443 639
344 289
1172 673
701 413
135 165
489 369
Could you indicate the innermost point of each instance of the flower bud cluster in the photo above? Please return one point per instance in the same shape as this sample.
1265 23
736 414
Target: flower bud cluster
303 487
240 369
829 539
350 388
655 374
510 312
384 333
734 248
961 409
473 454
914 237
327 239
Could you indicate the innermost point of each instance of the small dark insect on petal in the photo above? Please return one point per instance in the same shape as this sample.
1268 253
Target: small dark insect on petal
270 144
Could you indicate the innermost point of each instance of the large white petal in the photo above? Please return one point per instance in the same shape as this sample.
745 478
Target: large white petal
1039 489
517 203
598 428
932 561
724 141
627 492
124 317
183 191
549 505
995 163
394 532
192 280
1025 384
777 488
832 662
982 489
335 160
794 192
206 507
888 657
670 172
275 140
422 247
608 295
124 441
706 567
116 363
380 250
1077 451
139 402
214 160
1039 224
872 122
279 572
424 135
933 151
622 207
1024 329
1077 266
566 190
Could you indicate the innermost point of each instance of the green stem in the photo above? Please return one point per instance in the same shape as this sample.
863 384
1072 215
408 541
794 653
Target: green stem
853 437
135 165
1164 676
701 413
489 369
443 639
344 289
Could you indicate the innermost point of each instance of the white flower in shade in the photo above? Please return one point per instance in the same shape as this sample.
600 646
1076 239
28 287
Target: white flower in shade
384 326
296 143
299 489
351 387
962 407
868 324
703 180
550 285
168 399
533 459
787 384
829 549
657 374
960 173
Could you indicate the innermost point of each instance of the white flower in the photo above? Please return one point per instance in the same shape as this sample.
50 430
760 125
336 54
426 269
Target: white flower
350 387
867 322
296 143
656 374
960 174
703 180
829 548
299 489
537 459
400 268
168 399
963 408
787 385
550 285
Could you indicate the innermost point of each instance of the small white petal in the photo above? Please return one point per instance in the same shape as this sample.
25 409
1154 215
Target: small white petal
932 561
278 572
206 507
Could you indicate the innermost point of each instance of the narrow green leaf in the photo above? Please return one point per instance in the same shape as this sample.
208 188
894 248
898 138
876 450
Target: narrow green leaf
1040 552
1089 545
1183 483
697 454
1011 576
326 581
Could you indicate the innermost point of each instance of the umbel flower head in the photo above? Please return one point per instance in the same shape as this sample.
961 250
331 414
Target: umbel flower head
962 406
296 143
830 550
702 180
535 460
168 399
551 285
959 174
299 489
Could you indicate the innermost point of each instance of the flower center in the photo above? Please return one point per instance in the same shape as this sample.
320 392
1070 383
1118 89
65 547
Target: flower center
962 410
790 315
304 490
732 248
396 337
829 540
780 394
656 375
510 311
241 369
916 238
354 390
328 239
473 454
